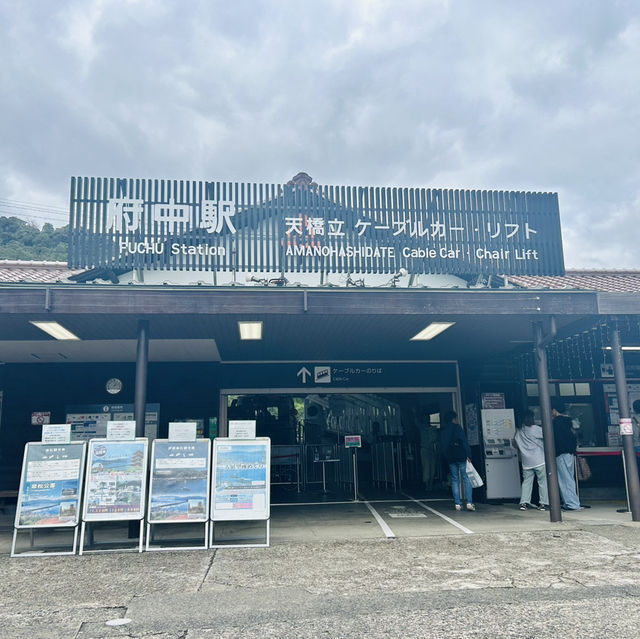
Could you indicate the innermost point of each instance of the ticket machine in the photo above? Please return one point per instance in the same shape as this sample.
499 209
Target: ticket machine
501 461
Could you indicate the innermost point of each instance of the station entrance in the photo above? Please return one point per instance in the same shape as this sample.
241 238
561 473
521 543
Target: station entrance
398 434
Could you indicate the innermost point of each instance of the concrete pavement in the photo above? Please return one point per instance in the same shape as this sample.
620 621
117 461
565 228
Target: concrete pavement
334 571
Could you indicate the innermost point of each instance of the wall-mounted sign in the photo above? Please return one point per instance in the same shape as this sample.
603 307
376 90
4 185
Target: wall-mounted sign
493 400
353 441
50 485
342 375
89 421
39 418
296 228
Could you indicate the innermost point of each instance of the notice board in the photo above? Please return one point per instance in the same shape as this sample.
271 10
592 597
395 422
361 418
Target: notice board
241 473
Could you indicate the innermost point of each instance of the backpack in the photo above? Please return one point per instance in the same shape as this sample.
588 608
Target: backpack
455 450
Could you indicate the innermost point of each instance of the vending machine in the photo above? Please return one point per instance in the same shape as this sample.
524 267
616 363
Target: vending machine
501 461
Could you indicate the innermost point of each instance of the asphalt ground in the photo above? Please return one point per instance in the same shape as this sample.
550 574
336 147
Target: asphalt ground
381 568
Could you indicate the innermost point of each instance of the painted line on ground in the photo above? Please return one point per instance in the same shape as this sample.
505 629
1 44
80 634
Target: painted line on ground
464 529
360 501
316 503
383 524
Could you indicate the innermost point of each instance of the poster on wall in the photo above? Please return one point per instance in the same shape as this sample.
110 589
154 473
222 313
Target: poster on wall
50 485
493 400
87 426
116 480
179 488
613 413
241 472
471 423
89 421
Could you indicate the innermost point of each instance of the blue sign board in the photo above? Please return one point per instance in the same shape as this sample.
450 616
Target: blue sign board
50 487
179 489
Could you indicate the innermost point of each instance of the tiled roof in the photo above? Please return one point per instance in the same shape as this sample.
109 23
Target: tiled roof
33 271
605 280
610 281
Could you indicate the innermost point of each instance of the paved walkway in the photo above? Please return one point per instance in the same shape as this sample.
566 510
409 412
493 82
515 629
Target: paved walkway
336 571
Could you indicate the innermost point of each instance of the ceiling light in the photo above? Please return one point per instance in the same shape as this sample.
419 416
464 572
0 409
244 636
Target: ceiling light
250 330
55 330
624 348
435 328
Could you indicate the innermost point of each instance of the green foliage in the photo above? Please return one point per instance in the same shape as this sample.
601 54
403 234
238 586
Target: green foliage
20 240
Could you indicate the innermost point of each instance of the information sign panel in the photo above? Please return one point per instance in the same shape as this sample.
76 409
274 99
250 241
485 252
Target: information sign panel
353 441
50 485
41 417
180 478
116 480
241 488
183 431
124 429
242 428
56 433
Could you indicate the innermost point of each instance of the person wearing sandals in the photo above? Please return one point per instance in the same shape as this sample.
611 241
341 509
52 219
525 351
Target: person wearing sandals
455 450
529 442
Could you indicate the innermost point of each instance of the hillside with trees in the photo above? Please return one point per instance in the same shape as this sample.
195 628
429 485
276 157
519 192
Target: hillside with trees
20 240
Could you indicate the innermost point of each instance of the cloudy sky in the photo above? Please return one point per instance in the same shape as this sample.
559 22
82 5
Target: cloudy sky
540 96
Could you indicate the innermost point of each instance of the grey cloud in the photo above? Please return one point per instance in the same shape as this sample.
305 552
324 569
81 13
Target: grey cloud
443 94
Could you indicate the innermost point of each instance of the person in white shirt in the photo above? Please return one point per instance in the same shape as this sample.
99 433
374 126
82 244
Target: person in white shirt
529 442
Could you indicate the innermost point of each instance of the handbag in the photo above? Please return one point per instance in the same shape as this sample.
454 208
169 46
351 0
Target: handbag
584 472
474 476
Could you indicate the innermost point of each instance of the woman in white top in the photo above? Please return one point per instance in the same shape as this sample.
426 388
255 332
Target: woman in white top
529 441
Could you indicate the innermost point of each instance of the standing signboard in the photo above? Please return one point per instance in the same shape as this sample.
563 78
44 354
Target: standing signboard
241 486
116 482
179 486
50 487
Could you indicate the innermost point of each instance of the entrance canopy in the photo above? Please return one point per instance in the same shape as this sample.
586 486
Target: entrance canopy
203 323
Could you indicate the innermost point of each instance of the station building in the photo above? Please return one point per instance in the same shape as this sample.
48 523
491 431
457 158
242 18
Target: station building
319 312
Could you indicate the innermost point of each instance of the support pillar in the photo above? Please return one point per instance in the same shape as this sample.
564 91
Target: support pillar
555 512
142 360
628 449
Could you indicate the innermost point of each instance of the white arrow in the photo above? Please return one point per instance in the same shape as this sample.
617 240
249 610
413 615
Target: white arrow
304 372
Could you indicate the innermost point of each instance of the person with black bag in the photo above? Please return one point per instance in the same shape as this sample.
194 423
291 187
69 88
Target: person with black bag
566 443
455 450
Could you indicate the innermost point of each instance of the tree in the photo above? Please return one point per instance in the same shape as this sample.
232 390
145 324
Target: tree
20 240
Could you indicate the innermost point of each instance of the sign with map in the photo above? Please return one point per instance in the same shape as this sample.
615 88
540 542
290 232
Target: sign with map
241 484
179 489
50 486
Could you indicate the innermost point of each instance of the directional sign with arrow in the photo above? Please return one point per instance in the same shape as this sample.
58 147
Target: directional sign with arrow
305 372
